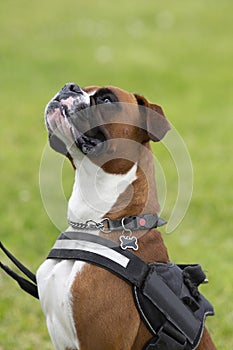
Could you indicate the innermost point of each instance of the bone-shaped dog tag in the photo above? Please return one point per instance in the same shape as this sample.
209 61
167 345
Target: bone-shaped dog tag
130 242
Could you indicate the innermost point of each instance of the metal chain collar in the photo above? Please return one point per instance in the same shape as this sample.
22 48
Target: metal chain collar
90 225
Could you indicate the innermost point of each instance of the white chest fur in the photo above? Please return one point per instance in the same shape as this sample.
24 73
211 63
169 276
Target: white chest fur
95 191
94 194
55 279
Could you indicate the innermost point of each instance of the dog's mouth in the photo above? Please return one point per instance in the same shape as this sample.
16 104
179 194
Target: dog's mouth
71 107
91 143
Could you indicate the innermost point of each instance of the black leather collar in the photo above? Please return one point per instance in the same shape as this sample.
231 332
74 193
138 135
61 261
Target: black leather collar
130 223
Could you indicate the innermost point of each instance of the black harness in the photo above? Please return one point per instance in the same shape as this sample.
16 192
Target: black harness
166 295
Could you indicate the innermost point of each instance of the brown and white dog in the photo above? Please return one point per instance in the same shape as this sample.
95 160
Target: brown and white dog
105 132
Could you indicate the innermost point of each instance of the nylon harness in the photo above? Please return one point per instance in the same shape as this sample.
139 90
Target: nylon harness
165 294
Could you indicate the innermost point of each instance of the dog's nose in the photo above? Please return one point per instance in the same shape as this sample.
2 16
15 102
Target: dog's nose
71 88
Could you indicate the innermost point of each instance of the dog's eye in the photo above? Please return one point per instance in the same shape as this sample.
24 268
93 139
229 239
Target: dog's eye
107 100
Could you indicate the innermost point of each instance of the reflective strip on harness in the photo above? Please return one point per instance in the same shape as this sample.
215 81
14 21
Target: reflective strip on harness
93 248
125 265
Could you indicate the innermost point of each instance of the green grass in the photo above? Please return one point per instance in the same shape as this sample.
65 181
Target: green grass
178 54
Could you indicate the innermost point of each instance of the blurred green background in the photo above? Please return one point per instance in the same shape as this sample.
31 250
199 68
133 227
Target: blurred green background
176 53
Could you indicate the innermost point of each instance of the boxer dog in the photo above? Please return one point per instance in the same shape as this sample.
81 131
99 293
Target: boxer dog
105 132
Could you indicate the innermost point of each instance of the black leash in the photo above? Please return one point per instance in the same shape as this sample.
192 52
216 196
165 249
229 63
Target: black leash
26 285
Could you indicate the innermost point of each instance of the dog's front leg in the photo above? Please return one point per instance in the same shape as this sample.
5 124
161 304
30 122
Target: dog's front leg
206 342
104 312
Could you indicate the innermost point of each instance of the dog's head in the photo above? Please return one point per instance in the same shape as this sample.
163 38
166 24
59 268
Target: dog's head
94 120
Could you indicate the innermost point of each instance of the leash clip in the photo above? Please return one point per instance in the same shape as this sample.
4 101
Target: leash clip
93 225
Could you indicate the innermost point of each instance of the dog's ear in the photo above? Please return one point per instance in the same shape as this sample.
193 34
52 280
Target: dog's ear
156 124
57 144
60 147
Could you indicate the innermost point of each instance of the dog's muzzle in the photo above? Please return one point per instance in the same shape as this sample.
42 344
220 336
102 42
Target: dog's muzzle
74 106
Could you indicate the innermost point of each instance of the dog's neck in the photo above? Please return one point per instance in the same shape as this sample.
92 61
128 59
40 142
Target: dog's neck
141 196
95 191
98 194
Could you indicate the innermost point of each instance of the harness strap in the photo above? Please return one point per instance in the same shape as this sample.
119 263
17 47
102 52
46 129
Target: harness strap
101 252
163 341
